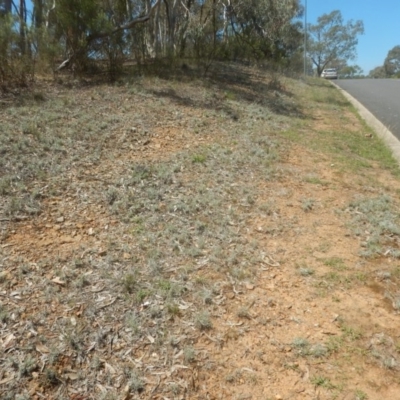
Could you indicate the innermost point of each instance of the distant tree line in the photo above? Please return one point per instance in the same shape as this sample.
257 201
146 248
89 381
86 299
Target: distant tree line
78 34
390 67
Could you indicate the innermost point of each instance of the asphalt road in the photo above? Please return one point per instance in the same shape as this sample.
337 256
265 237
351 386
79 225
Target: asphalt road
380 96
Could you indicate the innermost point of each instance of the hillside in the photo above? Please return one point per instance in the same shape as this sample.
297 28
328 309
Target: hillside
233 237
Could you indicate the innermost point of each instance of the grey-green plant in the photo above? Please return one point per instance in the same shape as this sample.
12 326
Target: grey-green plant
189 354
199 158
322 381
307 204
136 383
82 281
318 350
132 322
203 321
360 395
351 333
129 282
51 377
302 346
335 262
306 271
173 310
26 366
243 312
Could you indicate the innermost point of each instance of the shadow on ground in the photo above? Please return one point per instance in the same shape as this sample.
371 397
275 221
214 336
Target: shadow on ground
236 84
261 86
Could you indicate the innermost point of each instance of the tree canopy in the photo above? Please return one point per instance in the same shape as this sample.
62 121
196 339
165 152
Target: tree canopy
80 31
390 67
377 72
351 71
331 38
392 62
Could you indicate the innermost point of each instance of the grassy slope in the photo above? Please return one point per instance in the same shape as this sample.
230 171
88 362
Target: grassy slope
130 220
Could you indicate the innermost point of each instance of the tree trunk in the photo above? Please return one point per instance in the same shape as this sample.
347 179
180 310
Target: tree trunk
22 26
7 6
38 13
183 30
215 29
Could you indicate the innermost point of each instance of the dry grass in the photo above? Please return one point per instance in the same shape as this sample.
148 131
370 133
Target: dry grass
128 211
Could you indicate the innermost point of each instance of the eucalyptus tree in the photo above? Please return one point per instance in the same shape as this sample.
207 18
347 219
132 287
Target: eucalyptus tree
14 46
87 27
377 73
392 62
77 32
351 72
5 7
20 13
264 26
331 39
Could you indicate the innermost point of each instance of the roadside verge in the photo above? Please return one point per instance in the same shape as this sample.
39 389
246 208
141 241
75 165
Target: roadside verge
381 130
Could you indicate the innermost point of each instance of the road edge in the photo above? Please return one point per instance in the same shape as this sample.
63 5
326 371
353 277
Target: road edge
380 129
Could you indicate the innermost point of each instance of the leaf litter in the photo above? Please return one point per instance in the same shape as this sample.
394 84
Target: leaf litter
161 257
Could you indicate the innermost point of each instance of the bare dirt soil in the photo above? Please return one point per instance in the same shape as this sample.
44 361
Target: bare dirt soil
234 237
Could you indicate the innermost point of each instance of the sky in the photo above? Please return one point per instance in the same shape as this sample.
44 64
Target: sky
381 20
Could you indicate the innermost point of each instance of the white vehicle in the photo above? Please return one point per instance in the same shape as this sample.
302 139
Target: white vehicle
329 73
